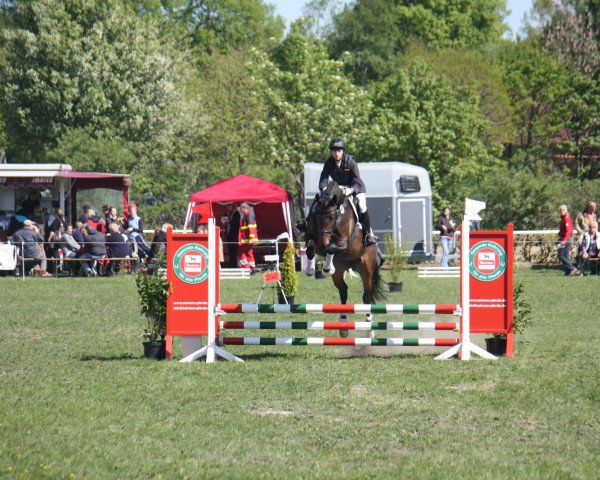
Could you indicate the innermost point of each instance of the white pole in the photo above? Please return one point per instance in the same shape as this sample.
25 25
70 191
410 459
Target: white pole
210 354
465 299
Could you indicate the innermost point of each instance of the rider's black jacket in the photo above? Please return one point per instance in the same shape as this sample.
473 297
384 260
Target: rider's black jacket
346 174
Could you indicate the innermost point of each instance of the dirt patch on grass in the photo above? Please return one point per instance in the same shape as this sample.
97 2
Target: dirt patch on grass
268 412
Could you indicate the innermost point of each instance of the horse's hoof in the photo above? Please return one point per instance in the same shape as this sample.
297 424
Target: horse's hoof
329 272
309 270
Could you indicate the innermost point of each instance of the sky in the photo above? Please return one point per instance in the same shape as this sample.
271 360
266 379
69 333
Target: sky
292 9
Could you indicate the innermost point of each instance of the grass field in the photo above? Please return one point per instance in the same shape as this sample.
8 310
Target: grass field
78 400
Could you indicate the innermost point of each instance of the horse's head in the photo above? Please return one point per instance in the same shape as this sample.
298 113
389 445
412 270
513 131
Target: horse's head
327 212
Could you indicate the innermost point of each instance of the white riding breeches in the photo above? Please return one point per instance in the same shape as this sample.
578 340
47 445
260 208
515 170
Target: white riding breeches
362 202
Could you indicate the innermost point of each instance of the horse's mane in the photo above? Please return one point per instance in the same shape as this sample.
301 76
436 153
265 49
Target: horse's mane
332 195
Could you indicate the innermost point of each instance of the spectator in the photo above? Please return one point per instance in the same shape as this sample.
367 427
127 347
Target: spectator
590 242
583 219
39 218
233 234
447 227
30 203
203 228
95 249
565 235
86 212
247 238
110 215
68 244
58 226
117 246
78 233
31 242
95 221
16 222
159 242
135 229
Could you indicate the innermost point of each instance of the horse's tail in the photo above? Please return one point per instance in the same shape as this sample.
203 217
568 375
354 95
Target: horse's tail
378 284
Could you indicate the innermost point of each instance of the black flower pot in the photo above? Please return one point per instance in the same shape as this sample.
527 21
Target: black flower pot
496 346
281 300
155 350
395 286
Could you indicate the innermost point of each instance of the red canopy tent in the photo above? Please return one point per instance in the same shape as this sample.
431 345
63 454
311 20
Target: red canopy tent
272 204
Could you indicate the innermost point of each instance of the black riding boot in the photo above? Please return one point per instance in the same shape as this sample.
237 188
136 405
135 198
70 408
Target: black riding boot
366 223
302 224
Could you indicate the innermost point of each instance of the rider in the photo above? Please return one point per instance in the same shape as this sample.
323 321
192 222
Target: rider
343 168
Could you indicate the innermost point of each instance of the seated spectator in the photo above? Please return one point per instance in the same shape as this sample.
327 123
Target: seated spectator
589 248
58 226
117 246
110 214
16 222
135 229
68 244
95 221
31 243
159 242
95 249
78 233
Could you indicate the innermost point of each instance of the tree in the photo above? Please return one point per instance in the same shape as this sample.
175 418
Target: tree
221 25
537 85
375 32
94 65
309 100
419 119
473 71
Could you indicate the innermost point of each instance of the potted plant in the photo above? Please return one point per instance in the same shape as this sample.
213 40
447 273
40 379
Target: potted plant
396 258
289 277
153 290
496 344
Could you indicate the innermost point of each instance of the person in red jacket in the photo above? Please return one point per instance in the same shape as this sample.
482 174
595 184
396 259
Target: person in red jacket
247 238
565 235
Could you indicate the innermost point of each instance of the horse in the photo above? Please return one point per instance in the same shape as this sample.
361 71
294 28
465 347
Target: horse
333 231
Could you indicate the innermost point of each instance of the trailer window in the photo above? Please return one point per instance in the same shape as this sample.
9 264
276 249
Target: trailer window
408 184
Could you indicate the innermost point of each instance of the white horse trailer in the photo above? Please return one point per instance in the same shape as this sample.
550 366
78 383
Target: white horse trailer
399 201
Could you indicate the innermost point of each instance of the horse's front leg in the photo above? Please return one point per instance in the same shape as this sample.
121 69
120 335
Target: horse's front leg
342 287
367 293
310 258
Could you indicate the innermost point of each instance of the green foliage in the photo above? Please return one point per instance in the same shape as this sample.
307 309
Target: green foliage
375 32
89 65
471 71
396 257
419 119
522 310
537 84
80 148
153 291
222 25
530 200
289 277
309 100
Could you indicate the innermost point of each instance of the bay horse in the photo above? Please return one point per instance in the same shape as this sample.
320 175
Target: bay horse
333 231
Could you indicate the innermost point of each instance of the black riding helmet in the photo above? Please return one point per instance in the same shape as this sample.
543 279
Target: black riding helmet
337 143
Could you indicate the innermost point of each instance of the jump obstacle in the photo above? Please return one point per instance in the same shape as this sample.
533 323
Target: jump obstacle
207 304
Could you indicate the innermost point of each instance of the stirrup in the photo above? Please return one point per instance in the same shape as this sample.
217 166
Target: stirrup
301 226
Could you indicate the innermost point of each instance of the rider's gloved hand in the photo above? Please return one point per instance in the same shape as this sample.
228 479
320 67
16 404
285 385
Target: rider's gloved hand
347 191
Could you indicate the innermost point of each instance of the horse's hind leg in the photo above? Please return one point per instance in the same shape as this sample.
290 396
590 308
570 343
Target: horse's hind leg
342 287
